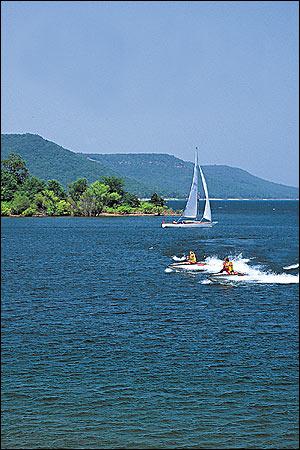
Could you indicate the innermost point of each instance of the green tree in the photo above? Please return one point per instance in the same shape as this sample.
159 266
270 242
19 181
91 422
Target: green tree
87 204
16 166
157 200
32 186
39 202
77 188
9 185
63 208
113 199
147 207
74 206
57 188
125 209
47 202
115 184
32 210
5 208
93 200
20 202
131 200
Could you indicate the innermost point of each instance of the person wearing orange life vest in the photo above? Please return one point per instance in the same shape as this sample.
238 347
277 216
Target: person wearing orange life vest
192 259
227 267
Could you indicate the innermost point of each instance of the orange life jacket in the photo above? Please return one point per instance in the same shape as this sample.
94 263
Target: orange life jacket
192 258
228 266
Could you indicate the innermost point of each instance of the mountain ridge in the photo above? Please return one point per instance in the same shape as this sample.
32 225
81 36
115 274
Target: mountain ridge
48 160
143 173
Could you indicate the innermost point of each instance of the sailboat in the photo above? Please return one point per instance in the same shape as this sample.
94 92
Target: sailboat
189 218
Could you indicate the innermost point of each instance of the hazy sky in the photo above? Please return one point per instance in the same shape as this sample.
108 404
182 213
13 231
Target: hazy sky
120 77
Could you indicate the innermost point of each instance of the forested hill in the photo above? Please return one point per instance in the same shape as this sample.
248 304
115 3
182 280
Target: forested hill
143 173
172 177
47 160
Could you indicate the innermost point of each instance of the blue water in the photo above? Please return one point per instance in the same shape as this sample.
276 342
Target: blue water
101 348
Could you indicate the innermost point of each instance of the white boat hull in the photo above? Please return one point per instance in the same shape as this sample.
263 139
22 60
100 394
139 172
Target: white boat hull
188 225
226 277
186 266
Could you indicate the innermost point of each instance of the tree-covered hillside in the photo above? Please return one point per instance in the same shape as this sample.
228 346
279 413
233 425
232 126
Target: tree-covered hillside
143 173
23 194
172 177
47 160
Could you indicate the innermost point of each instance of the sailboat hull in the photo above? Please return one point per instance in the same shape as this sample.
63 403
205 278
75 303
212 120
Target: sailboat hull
188 225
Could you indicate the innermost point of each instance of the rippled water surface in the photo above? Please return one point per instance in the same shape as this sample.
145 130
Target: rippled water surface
101 348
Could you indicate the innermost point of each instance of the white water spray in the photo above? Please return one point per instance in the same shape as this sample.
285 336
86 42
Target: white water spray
257 274
293 266
253 274
178 259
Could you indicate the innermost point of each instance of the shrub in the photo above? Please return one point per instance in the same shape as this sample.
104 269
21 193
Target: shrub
30 211
125 209
63 208
147 208
20 203
5 208
159 210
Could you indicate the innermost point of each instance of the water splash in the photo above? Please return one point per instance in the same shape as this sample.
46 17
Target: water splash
178 259
215 264
257 274
293 266
206 281
253 274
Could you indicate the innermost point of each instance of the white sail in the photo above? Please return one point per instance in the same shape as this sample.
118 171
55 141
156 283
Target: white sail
191 207
207 211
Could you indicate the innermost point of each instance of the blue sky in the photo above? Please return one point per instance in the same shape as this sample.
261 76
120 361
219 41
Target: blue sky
163 77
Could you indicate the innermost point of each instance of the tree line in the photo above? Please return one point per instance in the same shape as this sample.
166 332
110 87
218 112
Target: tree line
26 195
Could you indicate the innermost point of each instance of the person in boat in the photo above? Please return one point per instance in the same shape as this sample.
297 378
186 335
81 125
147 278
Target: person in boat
192 259
227 267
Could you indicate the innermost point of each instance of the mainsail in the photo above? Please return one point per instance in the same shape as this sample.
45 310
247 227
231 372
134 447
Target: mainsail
191 208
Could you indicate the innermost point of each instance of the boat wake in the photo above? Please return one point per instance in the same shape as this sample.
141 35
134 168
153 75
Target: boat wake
293 266
257 274
252 274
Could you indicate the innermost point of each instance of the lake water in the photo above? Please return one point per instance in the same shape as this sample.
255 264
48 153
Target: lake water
103 348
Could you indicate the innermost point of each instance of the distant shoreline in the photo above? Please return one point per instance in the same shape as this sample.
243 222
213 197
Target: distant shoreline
235 199
166 214
41 216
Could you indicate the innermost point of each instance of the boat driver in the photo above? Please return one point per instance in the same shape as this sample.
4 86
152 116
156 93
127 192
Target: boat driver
192 259
227 267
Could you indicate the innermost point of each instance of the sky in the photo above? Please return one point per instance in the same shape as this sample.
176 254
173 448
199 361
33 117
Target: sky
157 77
